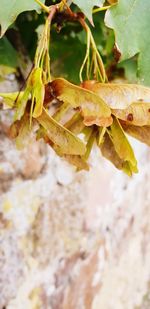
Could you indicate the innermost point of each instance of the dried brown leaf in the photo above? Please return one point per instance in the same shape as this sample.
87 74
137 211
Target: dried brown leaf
140 133
119 96
93 108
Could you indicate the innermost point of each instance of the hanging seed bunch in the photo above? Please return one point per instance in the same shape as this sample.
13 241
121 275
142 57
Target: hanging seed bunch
101 112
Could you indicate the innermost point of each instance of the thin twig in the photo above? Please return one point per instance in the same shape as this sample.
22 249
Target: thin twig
43 6
104 8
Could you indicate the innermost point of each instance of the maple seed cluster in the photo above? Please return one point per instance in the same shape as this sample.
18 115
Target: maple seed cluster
101 112
58 111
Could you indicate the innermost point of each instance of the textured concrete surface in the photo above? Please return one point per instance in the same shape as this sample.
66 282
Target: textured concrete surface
72 240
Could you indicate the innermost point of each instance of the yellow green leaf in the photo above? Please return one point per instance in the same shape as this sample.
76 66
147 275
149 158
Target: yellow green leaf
21 103
100 136
109 152
75 124
76 160
38 91
59 135
9 98
60 112
122 145
90 141
35 91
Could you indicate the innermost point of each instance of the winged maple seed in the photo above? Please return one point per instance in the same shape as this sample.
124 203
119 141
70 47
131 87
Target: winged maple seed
119 96
140 133
101 112
93 108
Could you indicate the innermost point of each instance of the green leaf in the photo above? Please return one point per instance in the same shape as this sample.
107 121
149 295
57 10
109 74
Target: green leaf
8 55
130 21
10 9
62 137
130 68
86 6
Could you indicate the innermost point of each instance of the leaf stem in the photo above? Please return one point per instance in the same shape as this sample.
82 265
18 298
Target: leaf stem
61 111
102 131
102 9
90 143
98 66
43 6
86 56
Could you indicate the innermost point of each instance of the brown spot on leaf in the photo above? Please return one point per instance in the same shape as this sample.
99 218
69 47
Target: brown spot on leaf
130 117
56 87
49 96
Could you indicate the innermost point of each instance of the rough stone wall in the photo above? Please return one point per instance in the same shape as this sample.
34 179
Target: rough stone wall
72 240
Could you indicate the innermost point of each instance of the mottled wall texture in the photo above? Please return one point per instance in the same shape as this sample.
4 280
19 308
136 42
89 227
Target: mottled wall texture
71 240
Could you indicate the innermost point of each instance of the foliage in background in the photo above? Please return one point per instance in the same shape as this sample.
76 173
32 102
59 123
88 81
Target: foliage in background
130 21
